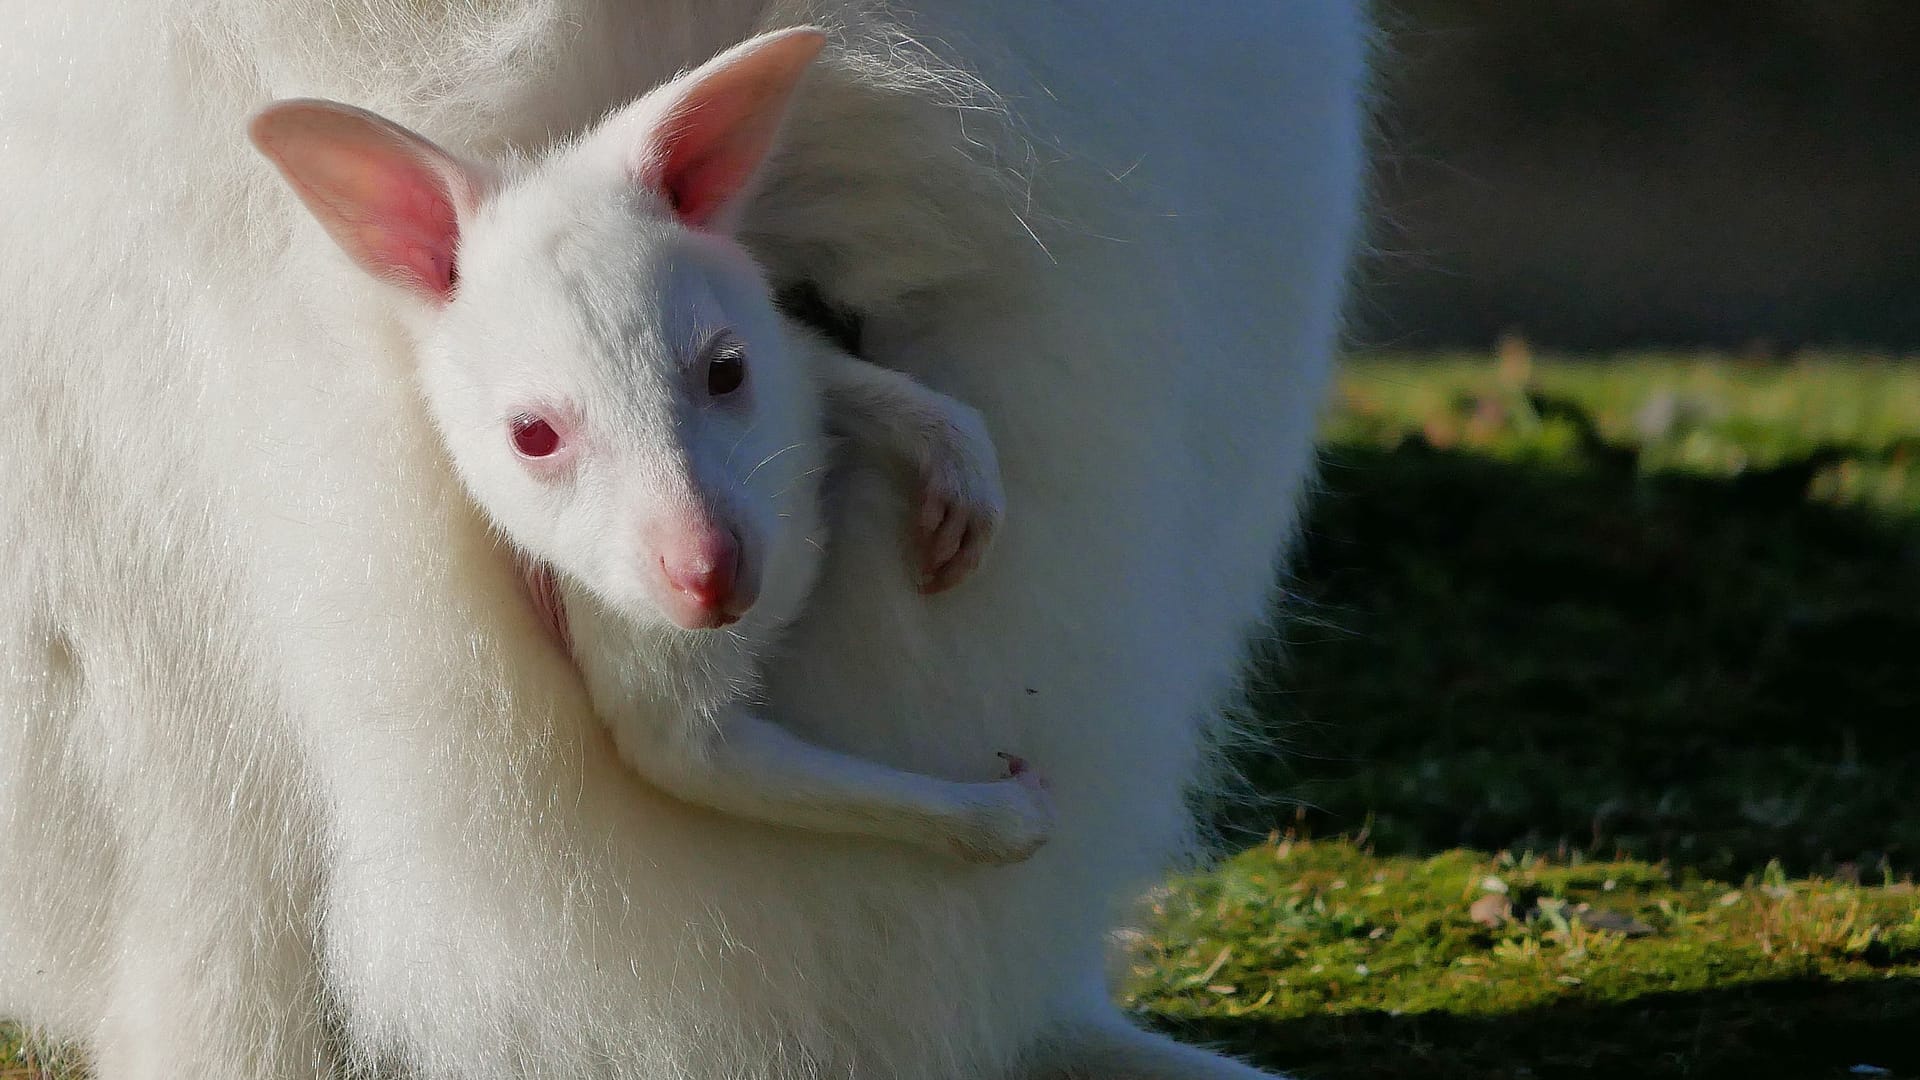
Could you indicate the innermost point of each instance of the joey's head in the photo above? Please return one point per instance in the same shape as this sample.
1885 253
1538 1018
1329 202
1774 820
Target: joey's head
602 358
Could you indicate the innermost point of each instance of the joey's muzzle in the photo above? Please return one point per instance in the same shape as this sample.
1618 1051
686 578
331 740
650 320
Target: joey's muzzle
704 574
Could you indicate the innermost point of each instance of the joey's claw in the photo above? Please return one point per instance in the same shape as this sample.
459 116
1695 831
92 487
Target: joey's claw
957 569
961 502
945 542
933 509
1018 768
952 547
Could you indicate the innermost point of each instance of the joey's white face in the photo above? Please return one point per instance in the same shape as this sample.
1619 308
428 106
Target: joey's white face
618 393
607 370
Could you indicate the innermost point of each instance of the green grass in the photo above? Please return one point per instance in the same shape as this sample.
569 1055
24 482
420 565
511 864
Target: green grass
1322 958
1638 636
1523 624
1602 682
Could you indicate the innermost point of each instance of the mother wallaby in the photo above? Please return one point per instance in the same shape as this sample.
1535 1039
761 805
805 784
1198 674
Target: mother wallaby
291 781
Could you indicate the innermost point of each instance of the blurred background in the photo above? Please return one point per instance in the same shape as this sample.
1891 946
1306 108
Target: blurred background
1608 173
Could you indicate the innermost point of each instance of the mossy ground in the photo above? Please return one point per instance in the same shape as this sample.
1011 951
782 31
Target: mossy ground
1328 961
1665 608
1602 679
1634 640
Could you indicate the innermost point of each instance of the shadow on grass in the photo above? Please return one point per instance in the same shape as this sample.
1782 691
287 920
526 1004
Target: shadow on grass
1562 654
1789 1029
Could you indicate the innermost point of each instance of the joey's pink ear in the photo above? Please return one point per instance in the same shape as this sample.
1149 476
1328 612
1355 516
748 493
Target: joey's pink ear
389 198
721 120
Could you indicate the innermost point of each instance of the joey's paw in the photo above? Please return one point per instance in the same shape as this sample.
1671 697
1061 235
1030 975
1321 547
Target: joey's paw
961 505
1012 818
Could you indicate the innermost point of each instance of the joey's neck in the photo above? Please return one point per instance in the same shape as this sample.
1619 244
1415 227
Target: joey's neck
649 666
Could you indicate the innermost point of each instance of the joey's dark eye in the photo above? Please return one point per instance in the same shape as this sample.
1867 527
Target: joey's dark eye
534 437
726 367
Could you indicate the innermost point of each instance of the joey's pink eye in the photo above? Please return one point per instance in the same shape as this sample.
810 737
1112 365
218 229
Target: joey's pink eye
534 437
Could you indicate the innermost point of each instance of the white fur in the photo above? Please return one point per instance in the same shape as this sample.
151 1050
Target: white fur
302 787
584 303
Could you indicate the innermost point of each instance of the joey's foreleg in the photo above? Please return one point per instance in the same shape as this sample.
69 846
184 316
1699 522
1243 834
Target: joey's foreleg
960 503
753 768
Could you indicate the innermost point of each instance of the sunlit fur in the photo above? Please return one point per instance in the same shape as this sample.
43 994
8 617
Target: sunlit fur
290 781
578 291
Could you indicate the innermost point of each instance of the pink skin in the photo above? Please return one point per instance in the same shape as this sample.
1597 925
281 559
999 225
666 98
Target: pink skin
952 536
704 577
703 586
703 582
388 197
1019 772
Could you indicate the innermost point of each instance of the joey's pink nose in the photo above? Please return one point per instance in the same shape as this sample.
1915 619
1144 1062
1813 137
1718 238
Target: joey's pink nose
702 568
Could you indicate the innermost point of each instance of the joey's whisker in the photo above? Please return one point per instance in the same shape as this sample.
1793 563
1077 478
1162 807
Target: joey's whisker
788 486
770 457
735 448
